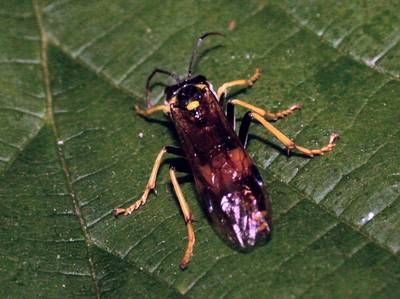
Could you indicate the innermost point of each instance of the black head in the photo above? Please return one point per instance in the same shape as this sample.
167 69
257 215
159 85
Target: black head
188 96
173 90
185 90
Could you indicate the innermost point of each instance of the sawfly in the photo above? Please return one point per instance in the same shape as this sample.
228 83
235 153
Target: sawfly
229 184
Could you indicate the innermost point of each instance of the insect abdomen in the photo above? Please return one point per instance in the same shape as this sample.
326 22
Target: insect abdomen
234 196
226 178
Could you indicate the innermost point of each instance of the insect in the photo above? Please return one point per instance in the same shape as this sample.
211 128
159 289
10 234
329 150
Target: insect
230 186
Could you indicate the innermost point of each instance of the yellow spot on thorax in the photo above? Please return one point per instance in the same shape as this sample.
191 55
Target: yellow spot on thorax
192 105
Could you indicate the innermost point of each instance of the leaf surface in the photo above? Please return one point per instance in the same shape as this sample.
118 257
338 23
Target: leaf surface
71 148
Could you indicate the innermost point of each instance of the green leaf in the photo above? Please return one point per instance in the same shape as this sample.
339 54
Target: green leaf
71 148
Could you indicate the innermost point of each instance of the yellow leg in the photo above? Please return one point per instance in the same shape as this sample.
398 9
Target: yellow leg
188 219
149 187
265 113
151 110
290 145
223 90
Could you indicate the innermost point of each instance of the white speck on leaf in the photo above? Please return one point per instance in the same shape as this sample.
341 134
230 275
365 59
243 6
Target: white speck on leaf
367 218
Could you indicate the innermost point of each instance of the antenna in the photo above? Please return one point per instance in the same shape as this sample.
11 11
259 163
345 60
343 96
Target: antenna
198 44
156 71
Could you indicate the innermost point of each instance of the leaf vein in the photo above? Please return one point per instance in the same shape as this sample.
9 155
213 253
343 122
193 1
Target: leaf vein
354 120
102 35
151 52
277 267
59 149
130 248
303 24
334 269
340 219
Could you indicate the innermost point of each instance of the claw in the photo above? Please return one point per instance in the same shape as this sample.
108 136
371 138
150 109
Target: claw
118 211
256 75
138 110
295 106
334 136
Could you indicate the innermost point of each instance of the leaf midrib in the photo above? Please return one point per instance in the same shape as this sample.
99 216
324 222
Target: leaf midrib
59 149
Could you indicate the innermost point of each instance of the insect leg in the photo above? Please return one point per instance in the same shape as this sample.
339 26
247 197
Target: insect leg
290 145
246 121
187 214
265 113
223 90
151 110
244 128
230 114
152 181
